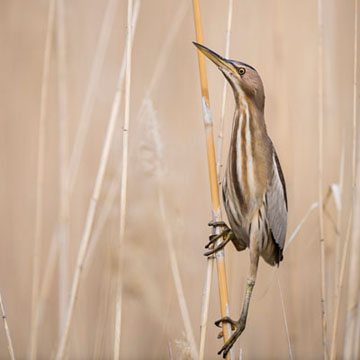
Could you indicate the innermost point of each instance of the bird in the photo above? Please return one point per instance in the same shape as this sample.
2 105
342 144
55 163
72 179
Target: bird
253 187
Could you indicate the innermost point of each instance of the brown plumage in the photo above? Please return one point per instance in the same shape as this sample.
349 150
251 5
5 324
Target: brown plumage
254 190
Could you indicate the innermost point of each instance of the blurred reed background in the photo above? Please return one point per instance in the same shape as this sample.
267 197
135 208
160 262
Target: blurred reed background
60 62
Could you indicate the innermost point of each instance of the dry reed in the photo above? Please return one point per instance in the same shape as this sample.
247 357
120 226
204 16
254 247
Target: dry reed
300 225
40 178
214 189
320 175
53 253
338 191
338 291
163 57
209 269
90 219
284 318
153 131
63 230
223 98
124 179
7 331
353 289
89 101
66 184
52 197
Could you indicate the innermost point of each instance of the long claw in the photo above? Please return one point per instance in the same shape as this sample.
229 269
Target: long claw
213 239
226 234
229 344
217 223
238 325
227 238
228 320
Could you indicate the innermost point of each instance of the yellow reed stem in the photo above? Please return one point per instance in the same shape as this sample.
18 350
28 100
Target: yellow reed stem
214 189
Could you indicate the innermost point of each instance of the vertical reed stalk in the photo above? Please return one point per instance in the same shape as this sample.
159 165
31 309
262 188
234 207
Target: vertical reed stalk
214 190
113 189
353 291
339 290
152 128
7 331
103 216
222 115
163 57
123 189
285 318
52 257
176 273
88 103
48 276
90 217
40 179
338 221
63 163
223 99
320 174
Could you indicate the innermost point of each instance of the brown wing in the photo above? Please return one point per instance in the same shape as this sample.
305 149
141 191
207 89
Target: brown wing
277 204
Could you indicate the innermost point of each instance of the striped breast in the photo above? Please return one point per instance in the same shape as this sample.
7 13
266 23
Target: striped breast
249 167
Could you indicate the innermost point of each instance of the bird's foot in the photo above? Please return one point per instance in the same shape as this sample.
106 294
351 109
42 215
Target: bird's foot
238 326
218 223
226 234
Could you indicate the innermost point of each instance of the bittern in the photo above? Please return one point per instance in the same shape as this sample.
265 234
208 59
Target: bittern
254 191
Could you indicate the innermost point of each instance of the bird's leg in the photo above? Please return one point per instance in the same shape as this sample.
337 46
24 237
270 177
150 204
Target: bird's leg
240 324
227 235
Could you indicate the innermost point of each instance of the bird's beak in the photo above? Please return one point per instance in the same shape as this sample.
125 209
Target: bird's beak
218 60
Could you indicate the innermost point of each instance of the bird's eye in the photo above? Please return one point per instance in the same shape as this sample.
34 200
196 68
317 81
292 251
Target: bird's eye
242 71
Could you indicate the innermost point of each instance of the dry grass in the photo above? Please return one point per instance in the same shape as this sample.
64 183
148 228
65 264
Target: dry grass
40 178
7 331
45 202
321 175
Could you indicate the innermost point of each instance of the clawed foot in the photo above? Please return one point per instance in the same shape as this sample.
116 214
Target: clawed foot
226 234
238 326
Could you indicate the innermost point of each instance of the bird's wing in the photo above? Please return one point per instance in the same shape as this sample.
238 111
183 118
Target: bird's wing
277 203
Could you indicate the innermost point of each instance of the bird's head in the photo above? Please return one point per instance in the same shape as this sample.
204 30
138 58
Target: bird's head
243 78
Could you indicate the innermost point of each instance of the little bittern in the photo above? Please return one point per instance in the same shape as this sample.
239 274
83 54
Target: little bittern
254 191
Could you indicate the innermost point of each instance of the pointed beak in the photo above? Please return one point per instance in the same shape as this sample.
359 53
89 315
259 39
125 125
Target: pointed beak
218 60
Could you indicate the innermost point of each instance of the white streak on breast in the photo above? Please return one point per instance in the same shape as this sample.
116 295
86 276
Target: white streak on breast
250 160
238 146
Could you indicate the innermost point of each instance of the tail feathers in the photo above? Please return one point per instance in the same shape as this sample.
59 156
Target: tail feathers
272 253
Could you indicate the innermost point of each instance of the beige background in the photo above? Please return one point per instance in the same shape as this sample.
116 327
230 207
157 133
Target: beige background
280 39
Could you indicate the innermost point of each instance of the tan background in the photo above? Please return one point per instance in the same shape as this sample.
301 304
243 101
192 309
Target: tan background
280 39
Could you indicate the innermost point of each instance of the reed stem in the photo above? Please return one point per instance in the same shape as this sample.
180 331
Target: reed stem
40 179
320 178
353 291
223 99
7 331
339 289
63 231
214 191
90 218
123 188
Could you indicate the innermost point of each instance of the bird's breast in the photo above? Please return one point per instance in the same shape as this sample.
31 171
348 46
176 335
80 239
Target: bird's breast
248 166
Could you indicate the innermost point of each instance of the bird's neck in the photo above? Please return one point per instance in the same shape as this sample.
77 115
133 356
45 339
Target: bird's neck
250 150
248 124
